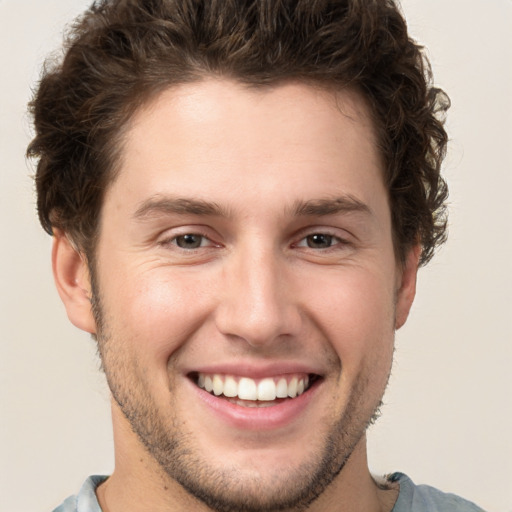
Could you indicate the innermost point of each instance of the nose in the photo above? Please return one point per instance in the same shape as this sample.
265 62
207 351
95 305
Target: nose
256 303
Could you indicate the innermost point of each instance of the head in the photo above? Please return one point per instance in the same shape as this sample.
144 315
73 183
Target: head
121 54
250 187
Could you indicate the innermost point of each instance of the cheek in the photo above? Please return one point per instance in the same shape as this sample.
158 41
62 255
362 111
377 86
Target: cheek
356 311
155 311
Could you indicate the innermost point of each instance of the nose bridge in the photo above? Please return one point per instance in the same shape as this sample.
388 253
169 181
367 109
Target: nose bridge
256 304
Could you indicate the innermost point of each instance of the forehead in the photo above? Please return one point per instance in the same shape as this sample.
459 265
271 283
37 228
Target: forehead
253 115
219 140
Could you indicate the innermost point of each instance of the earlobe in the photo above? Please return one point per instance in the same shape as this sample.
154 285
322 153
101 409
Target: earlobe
71 275
406 288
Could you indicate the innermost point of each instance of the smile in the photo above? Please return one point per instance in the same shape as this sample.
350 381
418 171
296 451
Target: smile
252 392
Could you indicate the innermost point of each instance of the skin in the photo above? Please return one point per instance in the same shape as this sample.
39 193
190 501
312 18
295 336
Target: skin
276 166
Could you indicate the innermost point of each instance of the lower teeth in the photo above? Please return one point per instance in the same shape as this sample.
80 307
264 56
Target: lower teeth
254 403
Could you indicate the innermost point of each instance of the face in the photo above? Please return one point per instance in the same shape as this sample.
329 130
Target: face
247 288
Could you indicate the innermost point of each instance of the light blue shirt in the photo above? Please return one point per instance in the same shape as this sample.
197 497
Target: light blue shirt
412 498
85 500
423 498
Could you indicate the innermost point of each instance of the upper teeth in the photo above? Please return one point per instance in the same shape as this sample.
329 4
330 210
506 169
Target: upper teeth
246 388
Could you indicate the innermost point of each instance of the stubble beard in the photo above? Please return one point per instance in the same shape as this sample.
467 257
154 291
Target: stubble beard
228 489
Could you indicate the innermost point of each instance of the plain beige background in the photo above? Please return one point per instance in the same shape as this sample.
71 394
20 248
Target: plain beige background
447 419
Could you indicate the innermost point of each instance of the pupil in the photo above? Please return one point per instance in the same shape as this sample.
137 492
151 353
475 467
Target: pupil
189 241
319 241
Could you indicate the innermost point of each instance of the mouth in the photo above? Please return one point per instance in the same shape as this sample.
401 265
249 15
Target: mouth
248 392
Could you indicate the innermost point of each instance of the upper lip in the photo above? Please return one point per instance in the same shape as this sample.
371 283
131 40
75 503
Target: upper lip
257 370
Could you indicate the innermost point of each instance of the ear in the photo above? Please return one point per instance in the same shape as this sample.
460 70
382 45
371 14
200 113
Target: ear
71 275
406 286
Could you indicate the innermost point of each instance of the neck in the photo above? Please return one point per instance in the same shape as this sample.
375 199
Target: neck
355 490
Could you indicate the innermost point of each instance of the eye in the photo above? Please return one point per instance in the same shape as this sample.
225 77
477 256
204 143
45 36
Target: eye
191 241
319 241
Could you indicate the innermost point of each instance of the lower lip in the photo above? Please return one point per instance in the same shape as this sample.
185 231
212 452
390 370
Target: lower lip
258 418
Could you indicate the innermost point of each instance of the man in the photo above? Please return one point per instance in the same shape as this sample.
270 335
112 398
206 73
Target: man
240 195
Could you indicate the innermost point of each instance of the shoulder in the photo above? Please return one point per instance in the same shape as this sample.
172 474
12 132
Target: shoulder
85 500
423 498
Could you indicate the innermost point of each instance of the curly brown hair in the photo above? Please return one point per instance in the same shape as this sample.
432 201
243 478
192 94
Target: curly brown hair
120 54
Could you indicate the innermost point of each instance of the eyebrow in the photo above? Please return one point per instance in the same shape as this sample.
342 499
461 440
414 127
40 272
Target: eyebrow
330 206
177 205
157 205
